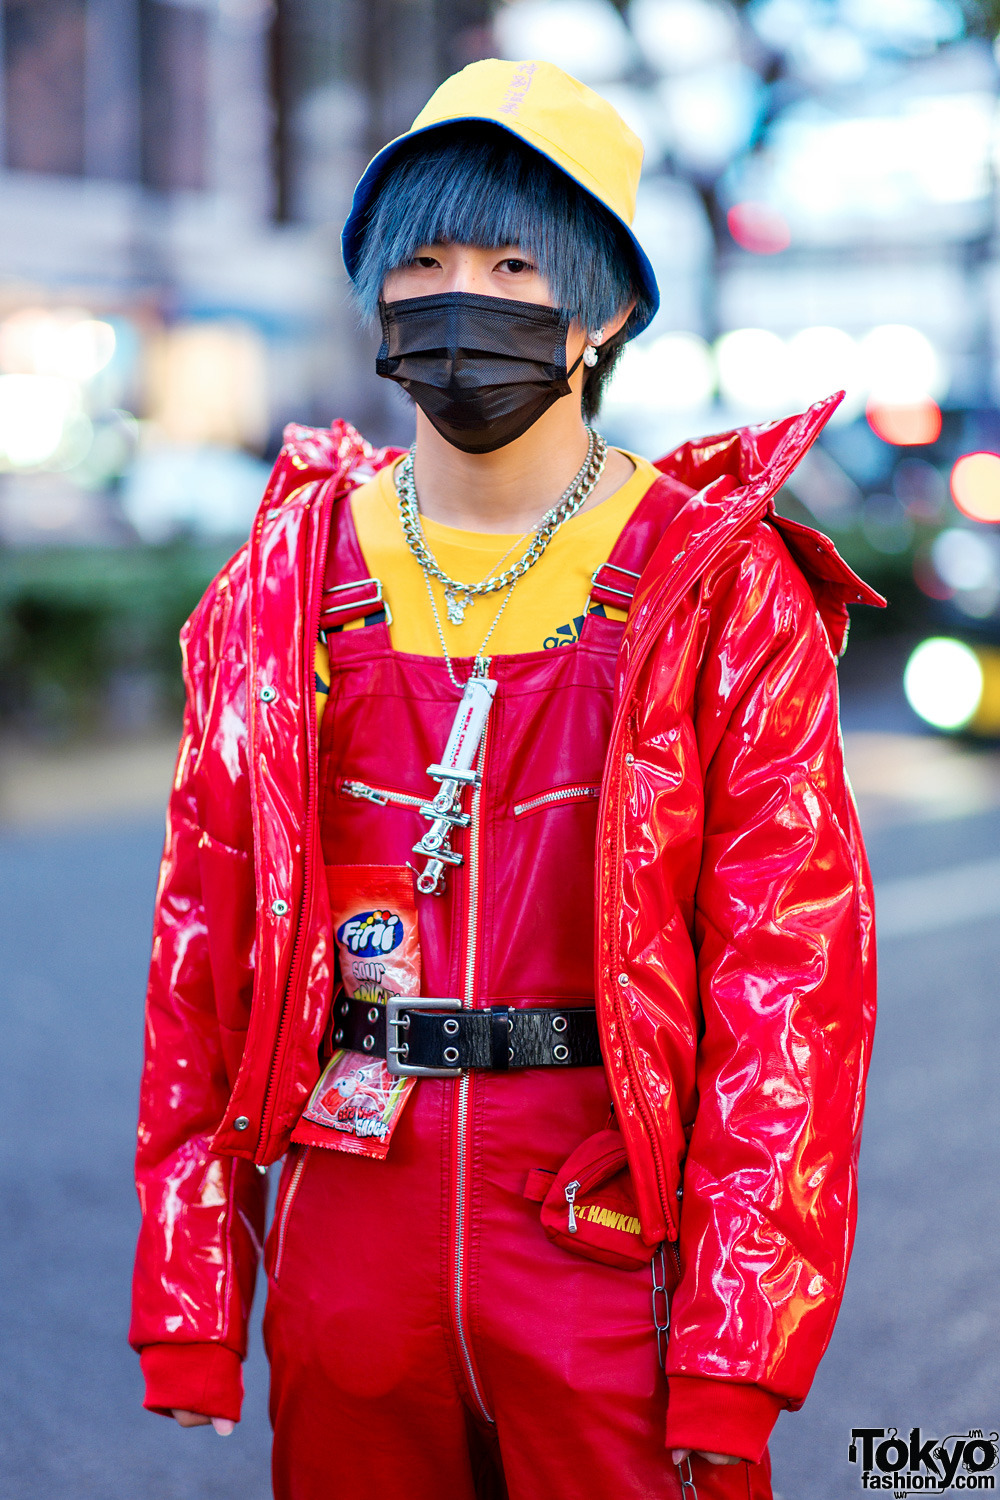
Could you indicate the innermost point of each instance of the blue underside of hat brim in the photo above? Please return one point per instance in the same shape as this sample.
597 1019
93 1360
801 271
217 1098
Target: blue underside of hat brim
364 193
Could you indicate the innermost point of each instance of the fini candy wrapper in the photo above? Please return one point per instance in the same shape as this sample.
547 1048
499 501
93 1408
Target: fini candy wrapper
357 1102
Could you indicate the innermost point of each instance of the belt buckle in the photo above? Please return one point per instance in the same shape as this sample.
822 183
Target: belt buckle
395 1050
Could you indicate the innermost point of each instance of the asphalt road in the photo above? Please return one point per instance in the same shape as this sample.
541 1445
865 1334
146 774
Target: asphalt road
917 1340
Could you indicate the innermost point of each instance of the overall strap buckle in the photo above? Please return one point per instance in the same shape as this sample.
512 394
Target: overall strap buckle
613 584
363 597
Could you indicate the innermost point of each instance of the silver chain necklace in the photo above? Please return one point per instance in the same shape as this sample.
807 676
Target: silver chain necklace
480 666
459 596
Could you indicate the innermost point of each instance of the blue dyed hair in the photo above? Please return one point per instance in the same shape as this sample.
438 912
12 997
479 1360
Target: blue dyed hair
471 184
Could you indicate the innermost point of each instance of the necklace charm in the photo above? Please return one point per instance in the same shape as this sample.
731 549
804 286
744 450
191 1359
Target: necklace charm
455 772
456 604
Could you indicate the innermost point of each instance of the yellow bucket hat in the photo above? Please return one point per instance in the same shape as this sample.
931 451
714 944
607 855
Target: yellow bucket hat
554 114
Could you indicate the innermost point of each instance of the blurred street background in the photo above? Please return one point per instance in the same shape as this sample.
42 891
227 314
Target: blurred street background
820 204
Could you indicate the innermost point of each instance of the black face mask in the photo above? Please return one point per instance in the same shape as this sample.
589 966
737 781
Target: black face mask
483 369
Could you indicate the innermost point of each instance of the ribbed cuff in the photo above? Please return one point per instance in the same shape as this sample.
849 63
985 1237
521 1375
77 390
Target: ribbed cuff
720 1416
205 1378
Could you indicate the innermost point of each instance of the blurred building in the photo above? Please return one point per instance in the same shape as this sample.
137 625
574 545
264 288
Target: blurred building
173 175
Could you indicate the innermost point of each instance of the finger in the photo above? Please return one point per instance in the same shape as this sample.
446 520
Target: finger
189 1418
720 1458
223 1426
680 1454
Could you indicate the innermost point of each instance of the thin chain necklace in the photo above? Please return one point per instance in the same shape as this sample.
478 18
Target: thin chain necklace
480 666
459 596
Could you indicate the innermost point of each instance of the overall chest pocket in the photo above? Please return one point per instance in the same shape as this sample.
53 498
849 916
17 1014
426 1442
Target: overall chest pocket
581 791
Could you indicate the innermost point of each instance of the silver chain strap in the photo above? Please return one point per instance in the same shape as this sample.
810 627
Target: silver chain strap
661 1305
688 1486
460 595
661 1323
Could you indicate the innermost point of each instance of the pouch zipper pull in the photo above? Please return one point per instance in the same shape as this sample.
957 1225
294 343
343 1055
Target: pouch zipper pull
571 1190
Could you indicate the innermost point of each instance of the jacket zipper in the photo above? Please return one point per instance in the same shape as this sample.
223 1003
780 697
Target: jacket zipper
561 794
380 795
305 905
463 1092
627 1054
286 1209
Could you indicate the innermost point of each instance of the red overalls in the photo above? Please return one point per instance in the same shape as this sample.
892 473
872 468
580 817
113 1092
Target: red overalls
459 1351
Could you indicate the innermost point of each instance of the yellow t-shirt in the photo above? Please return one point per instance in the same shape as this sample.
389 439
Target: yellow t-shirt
546 608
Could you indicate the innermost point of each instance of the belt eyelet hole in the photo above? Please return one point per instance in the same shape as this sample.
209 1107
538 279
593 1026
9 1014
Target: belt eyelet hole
559 1023
368 1042
373 1014
560 1052
451 1055
338 1035
451 1027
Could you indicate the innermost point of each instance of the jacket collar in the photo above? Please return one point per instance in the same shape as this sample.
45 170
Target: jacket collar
734 475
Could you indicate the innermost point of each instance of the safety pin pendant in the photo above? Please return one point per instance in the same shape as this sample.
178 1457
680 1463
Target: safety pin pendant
454 773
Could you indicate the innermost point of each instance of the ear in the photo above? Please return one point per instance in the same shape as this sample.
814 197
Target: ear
617 323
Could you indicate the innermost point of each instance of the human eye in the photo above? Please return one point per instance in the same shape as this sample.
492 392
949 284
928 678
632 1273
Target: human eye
516 265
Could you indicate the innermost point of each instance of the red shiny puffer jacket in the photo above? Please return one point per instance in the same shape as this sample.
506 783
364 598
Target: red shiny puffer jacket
734 965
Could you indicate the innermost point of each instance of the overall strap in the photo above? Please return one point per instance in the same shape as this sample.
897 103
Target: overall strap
349 592
616 581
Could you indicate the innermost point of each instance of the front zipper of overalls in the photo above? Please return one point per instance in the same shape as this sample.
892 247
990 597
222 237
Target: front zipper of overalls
463 1092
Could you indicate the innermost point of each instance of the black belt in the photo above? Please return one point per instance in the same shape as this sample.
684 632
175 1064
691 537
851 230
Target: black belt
441 1045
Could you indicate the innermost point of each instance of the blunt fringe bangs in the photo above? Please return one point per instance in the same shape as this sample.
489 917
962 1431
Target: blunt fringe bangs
478 185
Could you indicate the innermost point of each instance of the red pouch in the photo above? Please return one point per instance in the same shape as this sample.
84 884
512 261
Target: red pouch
588 1206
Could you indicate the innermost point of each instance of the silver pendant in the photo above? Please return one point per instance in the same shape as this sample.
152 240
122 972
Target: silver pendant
456 604
453 775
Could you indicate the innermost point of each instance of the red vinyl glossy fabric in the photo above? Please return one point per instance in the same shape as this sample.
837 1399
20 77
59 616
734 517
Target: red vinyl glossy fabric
733 959
368 1392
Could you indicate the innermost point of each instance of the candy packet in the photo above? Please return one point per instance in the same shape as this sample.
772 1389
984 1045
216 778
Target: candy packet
357 1102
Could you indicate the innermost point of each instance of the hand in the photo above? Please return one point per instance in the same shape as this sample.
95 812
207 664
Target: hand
222 1425
680 1454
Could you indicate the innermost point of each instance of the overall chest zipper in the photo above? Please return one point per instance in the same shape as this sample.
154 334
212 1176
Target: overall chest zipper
463 1100
380 795
584 792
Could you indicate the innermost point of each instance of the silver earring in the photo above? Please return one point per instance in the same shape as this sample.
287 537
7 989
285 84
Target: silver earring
596 336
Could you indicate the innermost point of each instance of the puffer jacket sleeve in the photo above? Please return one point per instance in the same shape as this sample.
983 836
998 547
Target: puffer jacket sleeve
201 1214
785 953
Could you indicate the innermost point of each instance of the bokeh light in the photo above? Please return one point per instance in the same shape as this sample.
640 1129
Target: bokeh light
35 413
943 682
964 559
753 368
675 372
901 366
921 488
586 37
908 425
70 344
678 35
822 360
758 227
975 486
